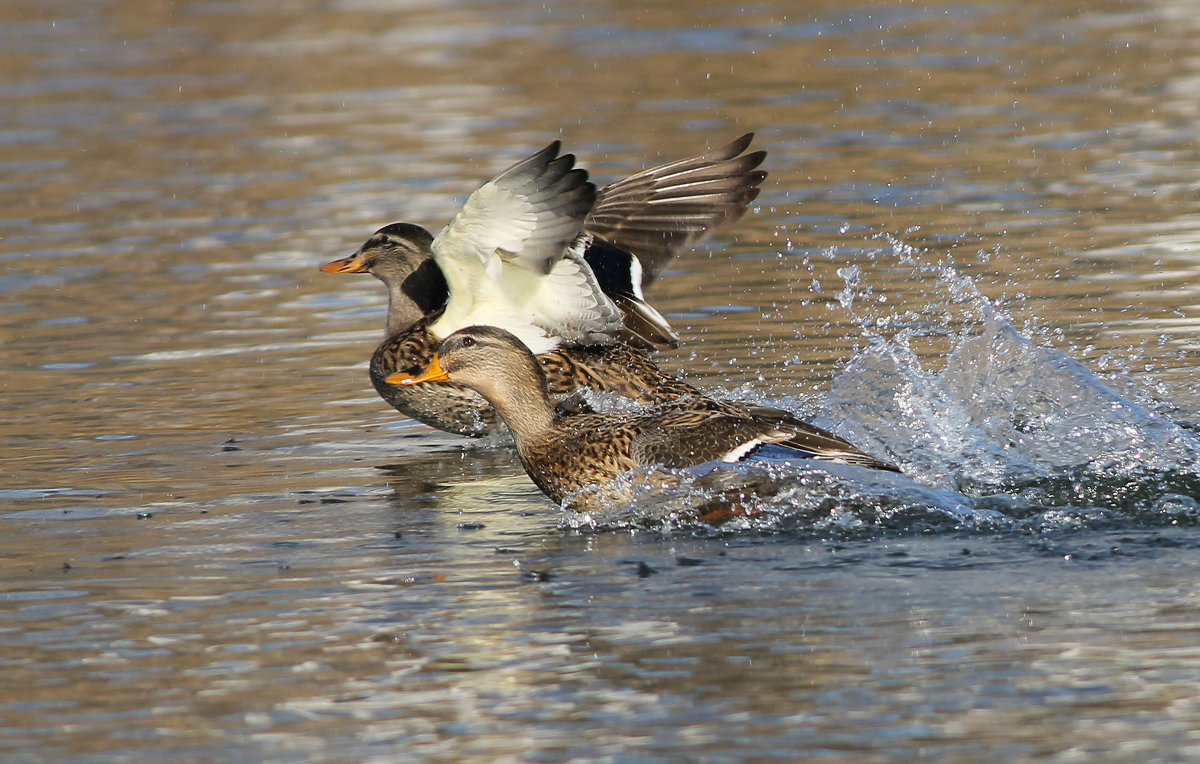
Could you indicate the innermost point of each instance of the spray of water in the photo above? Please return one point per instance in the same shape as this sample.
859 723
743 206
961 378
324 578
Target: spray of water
1006 434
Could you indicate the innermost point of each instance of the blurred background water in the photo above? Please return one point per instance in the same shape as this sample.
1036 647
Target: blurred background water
976 254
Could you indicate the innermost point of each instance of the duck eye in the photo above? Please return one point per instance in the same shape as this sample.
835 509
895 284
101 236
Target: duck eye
468 342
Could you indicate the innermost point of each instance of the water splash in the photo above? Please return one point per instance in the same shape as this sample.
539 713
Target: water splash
1003 408
1008 434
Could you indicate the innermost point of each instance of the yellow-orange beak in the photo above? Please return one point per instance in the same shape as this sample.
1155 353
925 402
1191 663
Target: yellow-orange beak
352 264
433 372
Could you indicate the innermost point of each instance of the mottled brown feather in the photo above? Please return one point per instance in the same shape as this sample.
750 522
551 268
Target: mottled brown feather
564 452
607 368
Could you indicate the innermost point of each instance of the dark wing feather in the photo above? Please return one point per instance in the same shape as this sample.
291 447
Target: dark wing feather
644 326
659 211
619 275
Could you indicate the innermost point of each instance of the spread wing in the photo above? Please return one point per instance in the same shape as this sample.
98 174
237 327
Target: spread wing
657 212
513 257
526 215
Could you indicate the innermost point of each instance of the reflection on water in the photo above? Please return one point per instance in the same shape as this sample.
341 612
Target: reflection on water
975 253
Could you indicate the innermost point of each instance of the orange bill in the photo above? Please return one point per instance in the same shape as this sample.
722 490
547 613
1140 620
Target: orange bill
432 372
352 264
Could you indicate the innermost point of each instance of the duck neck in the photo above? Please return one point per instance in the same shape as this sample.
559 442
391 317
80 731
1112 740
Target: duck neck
420 294
524 403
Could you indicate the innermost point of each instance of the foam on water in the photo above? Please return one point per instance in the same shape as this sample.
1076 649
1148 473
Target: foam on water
1007 435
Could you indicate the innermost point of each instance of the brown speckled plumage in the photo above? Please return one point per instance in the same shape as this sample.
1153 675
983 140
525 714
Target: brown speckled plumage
652 214
447 406
564 452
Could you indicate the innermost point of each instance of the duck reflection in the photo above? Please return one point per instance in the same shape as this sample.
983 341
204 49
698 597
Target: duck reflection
471 489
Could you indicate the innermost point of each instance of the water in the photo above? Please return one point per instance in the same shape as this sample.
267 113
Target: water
975 254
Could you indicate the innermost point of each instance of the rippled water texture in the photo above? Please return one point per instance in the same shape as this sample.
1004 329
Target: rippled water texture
976 254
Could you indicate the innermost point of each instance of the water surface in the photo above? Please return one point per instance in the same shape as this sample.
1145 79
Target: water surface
976 254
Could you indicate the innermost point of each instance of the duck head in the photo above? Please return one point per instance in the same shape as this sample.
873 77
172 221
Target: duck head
399 255
498 366
476 357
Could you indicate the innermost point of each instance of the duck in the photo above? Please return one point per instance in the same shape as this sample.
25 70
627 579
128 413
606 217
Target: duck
564 452
562 264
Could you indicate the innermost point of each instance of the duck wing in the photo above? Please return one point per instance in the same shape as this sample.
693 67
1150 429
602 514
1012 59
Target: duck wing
731 432
812 442
526 215
657 212
513 257
685 438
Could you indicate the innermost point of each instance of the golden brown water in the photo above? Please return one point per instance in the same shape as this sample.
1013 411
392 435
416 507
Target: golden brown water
218 544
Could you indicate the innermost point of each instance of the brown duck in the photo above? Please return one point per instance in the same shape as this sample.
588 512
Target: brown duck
564 452
576 228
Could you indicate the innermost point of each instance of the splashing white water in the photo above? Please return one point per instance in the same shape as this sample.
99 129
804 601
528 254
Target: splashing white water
1003 409
1007 434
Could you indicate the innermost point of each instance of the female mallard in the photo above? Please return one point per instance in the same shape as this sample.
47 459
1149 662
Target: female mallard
563 452
542 252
